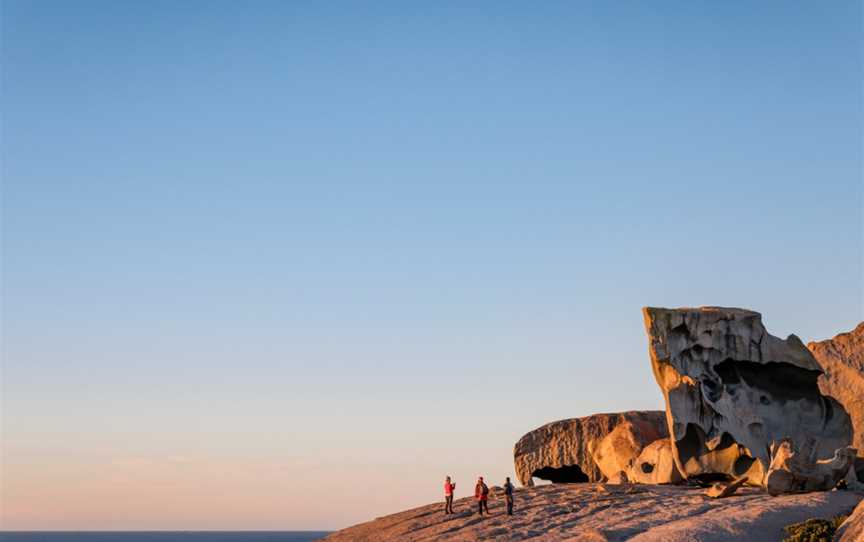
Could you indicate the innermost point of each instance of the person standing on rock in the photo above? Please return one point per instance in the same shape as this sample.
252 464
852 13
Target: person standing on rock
448 496
481 493
508 496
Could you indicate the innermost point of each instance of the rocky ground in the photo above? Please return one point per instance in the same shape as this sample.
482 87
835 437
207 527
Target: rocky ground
595 512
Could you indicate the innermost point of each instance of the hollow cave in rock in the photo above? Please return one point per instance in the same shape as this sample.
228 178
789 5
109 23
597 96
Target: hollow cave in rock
568 474
781 381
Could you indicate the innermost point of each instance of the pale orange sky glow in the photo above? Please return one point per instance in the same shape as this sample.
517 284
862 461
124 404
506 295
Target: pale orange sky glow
85 490
170 493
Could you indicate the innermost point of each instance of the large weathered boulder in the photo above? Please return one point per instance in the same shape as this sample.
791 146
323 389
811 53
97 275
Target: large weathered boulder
655 465
852 530
732 390
617 453
842 363
797 470
589 449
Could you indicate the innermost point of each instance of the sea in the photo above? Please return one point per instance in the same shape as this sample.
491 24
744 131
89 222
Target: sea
162 536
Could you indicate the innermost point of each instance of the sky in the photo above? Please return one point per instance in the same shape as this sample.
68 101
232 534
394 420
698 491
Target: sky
285 265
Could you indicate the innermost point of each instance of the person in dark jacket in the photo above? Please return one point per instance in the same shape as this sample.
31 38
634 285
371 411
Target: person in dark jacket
448 496
481 493
508 496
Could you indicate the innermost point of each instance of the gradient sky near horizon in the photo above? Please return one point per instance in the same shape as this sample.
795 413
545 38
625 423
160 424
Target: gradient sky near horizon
285 265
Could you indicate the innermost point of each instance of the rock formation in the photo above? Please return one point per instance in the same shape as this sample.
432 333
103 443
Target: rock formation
616 454
589 449
732 389
721 490
656 464
852 530
569 512
842 363
793 471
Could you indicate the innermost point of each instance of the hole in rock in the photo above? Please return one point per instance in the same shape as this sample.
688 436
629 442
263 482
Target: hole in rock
694 443
568 474
742 465
691 444
782 381
712 390
680 329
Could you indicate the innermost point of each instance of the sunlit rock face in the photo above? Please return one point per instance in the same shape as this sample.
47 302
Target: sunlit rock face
590 449
795 469
852 530
842 363
732 389
655 464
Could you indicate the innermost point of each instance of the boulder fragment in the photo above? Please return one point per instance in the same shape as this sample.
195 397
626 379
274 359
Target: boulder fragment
798 471
722 490
732 389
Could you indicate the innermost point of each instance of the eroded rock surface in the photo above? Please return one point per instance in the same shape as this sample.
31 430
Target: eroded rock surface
656 464
797 470
589 449
732 390
842 363
852 530
721 490
636 513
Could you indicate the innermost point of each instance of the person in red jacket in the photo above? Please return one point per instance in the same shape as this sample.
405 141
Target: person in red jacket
448 496
481 493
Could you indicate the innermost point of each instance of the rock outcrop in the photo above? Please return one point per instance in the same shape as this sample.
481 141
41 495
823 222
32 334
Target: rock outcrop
842 363
852 530
732 389
797 470
656 464
635 513
590 449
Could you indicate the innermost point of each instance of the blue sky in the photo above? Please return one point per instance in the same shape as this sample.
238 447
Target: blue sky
371 244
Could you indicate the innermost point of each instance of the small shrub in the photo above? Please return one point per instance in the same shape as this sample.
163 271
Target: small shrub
813 530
